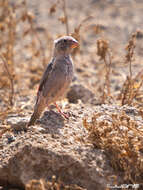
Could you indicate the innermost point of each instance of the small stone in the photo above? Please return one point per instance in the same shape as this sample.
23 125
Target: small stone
77 92
17 122
10 139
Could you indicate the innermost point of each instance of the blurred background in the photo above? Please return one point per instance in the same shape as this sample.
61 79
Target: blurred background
105 99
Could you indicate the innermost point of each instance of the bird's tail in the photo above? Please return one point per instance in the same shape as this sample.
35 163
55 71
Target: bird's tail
38 109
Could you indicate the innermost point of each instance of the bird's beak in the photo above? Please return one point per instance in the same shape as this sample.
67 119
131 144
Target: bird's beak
74 44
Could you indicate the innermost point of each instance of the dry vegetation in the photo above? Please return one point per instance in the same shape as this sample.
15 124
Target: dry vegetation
120 138
122 142
42 185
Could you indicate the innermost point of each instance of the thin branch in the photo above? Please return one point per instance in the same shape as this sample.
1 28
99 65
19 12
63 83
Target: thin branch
10 79
66 17
34 32
130 69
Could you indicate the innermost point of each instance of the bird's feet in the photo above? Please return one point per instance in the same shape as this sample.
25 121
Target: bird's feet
66 116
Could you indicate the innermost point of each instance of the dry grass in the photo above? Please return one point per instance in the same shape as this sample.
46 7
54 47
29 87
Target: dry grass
53 185
122 142
7 32
104 52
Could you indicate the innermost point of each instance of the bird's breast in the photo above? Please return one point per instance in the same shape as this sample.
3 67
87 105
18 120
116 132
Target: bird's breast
59 80
65 75
69 68
65 68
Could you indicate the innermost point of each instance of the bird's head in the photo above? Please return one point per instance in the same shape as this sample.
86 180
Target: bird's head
64 45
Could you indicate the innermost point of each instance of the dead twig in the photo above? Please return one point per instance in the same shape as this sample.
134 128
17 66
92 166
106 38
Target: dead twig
129 91
104 53
66 17
76 33
29 17
11 79
130 52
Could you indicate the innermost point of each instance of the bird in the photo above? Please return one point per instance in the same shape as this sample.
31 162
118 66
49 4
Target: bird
56 78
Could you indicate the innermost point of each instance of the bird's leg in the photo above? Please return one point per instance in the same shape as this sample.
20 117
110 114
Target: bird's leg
60 111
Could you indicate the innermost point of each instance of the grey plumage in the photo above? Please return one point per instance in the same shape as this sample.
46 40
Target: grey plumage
56 78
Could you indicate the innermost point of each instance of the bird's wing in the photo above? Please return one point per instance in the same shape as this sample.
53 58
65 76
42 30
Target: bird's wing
44 78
